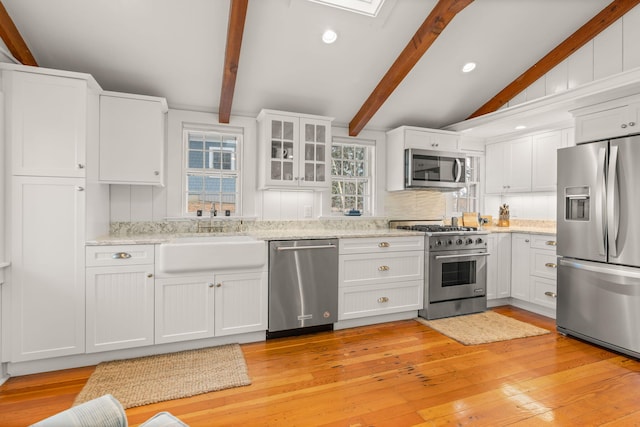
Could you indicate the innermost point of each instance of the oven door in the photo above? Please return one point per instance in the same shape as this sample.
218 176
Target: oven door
456 275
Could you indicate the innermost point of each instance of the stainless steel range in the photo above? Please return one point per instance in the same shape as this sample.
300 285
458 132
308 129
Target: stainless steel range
455 268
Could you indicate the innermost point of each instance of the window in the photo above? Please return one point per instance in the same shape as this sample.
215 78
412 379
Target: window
351 182
212 171
466 199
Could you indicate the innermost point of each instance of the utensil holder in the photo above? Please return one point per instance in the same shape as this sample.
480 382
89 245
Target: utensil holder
503 220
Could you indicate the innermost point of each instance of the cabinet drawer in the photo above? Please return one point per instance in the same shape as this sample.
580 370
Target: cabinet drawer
544 241
381 244
543 263
368 269
103 256
544 292
379 299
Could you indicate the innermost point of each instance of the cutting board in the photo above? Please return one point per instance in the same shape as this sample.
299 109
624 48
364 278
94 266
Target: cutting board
470 219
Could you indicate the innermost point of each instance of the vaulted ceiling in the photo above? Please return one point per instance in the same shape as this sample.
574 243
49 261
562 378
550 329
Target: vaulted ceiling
178 50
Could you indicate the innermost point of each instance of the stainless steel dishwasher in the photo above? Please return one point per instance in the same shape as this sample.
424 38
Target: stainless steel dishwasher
303 286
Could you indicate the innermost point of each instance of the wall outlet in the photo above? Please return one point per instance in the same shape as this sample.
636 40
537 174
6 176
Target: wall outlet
308 211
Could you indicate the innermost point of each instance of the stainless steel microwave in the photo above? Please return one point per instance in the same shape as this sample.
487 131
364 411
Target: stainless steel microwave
434 169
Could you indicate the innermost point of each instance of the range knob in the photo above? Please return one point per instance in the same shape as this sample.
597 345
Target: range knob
479 240
450 242
459 242
438 243
469 241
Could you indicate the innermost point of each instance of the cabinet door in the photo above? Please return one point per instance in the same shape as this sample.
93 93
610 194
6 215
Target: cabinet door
492 267
47 121
518 165
131 140
241 303
545 170
494 167
520 266
184 308
602 124
314 153
47 287
119 307
499 266
282 135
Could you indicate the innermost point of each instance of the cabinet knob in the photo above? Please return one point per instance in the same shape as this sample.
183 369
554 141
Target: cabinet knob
550 243
211 285
149 275
383 299
632 123
80 188
121 255
551 294
156 173
383 245
624 125
80 166
383 268
526 240
218 285
550 265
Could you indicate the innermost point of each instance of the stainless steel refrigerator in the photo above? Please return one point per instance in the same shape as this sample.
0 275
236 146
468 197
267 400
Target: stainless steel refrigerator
599 243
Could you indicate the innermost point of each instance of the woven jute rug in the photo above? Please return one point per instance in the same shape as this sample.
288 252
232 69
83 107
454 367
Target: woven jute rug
482 328
151 379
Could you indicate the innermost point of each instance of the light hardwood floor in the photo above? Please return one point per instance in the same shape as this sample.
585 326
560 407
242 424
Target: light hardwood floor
394 374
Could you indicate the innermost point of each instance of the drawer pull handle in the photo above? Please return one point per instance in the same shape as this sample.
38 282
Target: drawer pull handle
551 243
383 299
551 294
121 255
550 265
149 275
383 268
383 244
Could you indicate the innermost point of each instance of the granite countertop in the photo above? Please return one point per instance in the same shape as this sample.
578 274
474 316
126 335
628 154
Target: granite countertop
522 229
291 234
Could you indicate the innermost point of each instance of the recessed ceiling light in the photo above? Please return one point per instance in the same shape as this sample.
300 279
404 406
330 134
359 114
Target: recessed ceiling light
468 67
329 36
520 127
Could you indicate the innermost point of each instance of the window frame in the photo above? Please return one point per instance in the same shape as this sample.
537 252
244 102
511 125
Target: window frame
370 162
472 197
223 132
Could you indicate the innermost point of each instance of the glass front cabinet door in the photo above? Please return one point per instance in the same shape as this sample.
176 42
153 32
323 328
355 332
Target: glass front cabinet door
294 150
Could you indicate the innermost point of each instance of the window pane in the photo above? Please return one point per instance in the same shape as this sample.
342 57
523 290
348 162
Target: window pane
288 131
320 133
350 182
276 129
195 159
195 144
309 134
336 152
320 153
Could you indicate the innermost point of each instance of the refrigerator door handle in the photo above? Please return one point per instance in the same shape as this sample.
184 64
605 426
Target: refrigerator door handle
600 201
612 221
600 268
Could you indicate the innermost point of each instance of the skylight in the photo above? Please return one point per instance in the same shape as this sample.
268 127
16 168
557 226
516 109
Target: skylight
365 7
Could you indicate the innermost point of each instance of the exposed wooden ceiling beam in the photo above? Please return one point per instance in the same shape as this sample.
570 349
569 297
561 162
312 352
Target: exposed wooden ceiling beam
14 41
237 16
443 12
575 41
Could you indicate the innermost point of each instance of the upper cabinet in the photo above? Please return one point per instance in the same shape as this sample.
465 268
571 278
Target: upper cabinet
132 139
413 137
295 150
508 166
544 160
48 120
608 120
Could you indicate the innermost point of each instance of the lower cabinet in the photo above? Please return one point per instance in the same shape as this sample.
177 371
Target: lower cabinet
119 297
195 307
499 266
380 276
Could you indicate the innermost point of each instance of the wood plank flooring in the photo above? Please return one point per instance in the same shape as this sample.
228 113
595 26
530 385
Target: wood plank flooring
394 374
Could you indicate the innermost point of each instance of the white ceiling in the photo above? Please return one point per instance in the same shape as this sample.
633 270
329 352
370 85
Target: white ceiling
175 49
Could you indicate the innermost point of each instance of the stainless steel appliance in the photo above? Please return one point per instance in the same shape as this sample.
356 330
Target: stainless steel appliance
599 243
455 268
303 286
434 169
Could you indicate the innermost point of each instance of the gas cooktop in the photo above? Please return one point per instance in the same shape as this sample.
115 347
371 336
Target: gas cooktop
433 227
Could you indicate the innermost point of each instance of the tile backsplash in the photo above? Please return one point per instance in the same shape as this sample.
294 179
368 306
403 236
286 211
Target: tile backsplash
540 206
415 204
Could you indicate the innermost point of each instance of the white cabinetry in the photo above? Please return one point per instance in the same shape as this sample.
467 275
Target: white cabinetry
132 139
46 119
380 276
533 278
413 137
499 266
120 297
608 120
47 270
241 303
508 166
295 150
545 160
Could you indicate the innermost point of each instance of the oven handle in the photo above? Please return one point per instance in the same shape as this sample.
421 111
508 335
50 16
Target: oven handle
462 255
